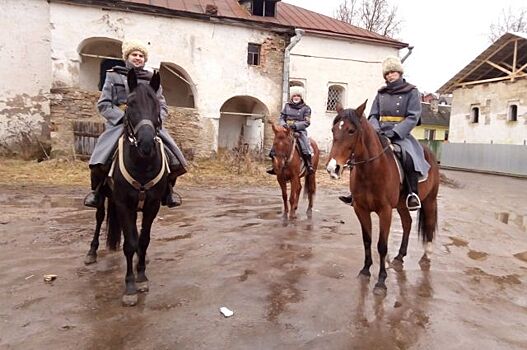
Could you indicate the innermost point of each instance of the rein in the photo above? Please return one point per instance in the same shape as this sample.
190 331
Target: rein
352 162
133 182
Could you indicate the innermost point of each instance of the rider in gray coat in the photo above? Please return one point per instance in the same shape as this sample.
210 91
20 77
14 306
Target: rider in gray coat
111 106
396 110
296 115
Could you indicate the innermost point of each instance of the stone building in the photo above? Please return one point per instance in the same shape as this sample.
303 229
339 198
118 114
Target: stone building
488 122
222 66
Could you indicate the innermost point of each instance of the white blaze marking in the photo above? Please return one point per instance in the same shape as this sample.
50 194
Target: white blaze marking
332 169
340 124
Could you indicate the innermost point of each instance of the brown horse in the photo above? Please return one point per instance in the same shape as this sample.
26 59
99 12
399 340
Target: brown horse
287 164
375 186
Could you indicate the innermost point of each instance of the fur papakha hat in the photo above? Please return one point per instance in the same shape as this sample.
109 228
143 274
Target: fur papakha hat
134 45
392 64
296 90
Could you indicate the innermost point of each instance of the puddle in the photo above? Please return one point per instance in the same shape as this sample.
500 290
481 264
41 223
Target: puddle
475 255
458 242
521 256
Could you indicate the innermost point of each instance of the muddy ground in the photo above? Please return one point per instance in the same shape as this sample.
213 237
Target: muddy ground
290 285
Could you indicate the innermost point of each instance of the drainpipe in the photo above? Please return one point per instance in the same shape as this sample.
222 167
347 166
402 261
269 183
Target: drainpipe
410 48
287 57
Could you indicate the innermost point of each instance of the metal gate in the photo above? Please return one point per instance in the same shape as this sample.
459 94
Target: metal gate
85 135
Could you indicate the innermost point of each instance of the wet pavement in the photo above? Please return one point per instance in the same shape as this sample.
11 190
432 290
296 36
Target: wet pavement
291 285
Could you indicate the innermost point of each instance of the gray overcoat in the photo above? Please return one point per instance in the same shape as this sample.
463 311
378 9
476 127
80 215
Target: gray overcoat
114 94
407 105
300 116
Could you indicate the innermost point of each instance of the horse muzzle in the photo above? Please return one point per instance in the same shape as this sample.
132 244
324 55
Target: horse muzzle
334 169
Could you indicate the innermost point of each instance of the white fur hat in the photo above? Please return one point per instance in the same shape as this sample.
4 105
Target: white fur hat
392 64
134 45
296 90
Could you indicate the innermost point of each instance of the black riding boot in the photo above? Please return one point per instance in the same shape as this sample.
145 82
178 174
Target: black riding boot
309 165
270 170
98 174
347 199
412 184
169 199
176 170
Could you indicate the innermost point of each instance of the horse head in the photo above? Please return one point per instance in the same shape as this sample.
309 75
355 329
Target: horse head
283 146
142 118
346 130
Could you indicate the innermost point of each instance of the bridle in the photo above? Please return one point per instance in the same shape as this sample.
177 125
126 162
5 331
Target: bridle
351 160
291 153
131 131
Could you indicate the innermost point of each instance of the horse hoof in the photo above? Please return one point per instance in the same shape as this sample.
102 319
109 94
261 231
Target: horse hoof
397 264
142 287
364 274
90 259
380 289
129 300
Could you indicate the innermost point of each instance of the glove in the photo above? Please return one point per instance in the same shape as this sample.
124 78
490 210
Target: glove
390 134
293 126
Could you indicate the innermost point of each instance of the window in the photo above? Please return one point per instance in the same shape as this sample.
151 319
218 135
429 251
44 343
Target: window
430 134
335 96
296 83
253 54
446 135
512 115
474 115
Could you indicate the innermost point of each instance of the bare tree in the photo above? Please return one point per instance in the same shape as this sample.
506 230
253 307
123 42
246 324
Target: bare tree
374 15
510 20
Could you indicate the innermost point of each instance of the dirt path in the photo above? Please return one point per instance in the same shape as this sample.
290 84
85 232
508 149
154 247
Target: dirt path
291 285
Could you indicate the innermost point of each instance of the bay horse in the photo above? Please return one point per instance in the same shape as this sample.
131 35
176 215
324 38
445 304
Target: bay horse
375 186
287 164
138 181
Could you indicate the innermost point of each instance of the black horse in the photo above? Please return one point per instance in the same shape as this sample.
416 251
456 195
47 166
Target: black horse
137 183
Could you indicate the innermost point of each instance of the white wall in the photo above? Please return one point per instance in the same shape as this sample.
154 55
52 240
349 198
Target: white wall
493 100
361 79
213 55
25 78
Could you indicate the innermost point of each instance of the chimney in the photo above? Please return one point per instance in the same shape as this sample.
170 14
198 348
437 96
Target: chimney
264 8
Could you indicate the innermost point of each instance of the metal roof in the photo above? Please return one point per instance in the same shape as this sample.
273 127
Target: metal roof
287 15
501 52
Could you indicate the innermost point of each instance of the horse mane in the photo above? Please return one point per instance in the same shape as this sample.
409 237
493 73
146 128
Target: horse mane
350 115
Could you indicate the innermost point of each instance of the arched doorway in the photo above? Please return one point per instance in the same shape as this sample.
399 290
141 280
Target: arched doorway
178 88
98 55
242 123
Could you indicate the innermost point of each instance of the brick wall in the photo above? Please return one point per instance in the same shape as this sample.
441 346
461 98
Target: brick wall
193 134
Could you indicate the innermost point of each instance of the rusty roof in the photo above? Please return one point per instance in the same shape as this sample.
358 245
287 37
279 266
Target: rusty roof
287 15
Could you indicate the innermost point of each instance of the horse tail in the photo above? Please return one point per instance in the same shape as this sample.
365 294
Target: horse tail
114 229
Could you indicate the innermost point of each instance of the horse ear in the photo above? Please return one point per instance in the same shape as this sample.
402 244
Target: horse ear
360 109
132 80
339 108
155 82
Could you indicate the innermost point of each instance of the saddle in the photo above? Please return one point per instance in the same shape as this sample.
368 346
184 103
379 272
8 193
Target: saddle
400 159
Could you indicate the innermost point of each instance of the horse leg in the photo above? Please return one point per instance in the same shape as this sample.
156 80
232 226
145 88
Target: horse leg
406 221
283 187
385 221
91 257
130 248
427 227
296 187
365 224
144 240
310 188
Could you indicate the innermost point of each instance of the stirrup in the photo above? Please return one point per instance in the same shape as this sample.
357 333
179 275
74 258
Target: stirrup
415 207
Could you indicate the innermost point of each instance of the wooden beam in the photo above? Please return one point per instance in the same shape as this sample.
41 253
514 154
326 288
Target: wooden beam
521 68
479 65
514 58
518 75
498 67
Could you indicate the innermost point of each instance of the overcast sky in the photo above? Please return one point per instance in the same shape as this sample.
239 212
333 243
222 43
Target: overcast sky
446 34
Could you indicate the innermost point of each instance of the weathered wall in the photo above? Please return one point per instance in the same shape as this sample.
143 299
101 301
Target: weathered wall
356 66
25 77
493 127
196 46
68 105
